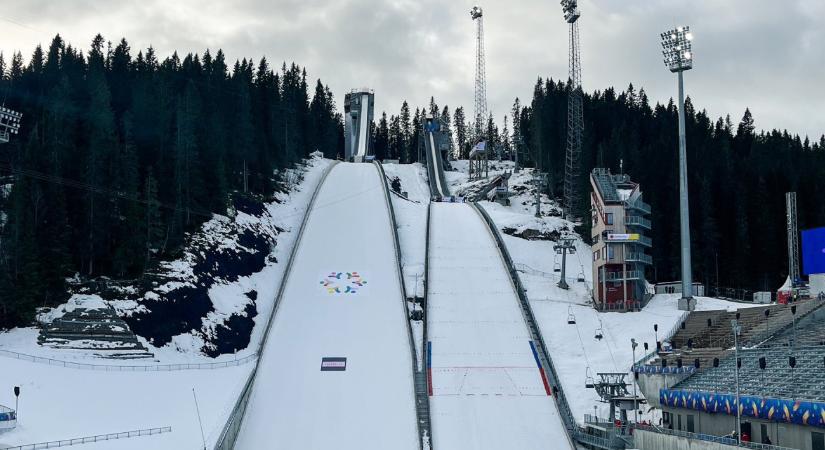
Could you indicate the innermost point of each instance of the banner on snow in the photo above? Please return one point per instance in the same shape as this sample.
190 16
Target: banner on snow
333 364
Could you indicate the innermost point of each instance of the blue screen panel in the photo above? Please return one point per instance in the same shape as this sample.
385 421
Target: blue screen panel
813 251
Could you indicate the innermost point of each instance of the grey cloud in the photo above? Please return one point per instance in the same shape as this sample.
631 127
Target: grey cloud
761 54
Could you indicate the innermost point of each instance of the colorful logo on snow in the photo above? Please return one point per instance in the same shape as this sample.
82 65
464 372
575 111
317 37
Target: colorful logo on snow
343 283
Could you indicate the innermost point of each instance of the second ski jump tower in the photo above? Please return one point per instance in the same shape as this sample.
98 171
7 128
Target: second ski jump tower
359 106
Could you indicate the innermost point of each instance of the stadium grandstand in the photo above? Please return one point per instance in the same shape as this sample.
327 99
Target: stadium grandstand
775 370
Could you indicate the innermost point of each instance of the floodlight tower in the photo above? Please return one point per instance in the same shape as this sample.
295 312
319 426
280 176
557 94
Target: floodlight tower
793 239
575 113
481 73
9 123
678 57
478 167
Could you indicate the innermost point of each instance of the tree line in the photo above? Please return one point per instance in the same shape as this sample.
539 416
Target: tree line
119 156
737 179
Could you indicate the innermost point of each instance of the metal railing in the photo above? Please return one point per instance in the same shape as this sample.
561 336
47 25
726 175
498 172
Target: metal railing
641 206
229 433
132 367
627 275
638 221
92 439
565 414
638 257
708 438
666 337
426 308
422 399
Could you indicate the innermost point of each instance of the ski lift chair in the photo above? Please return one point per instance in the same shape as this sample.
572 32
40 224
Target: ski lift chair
589 382
599 332
571 319
581 277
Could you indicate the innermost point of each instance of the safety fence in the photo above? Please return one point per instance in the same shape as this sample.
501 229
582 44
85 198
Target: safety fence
726 440
93 439
229 433
131 367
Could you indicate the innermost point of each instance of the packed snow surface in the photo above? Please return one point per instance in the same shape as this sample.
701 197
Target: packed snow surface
487 388
347 246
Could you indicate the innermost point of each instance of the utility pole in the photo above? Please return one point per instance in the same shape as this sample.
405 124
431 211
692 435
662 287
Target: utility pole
678 58
736 330
564 247
539 180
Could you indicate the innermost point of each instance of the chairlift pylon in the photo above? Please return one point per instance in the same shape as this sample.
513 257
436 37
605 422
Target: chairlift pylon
571 318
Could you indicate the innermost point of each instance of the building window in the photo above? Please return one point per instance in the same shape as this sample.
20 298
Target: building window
610 254
608 218
604 253
679 422
817 441
596 256
690 424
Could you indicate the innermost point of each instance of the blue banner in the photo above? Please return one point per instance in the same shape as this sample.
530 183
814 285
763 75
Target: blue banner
778 410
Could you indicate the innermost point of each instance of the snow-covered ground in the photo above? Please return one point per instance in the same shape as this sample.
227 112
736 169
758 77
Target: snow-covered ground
343 300
487 389
61 403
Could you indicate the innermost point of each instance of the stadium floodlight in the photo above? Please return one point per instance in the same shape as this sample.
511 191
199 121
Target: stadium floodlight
9 123
737 331
476 12
677 49
678 52
571 10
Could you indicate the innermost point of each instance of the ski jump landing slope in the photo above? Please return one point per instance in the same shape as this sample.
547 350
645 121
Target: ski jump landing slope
342 300
488 391
435 168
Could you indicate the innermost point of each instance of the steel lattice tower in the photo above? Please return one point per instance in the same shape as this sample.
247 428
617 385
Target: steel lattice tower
481 75
575 114
793 238
478 161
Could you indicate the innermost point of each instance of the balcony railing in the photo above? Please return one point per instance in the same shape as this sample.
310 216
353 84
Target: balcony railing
621 276
639 257
641 206
638 221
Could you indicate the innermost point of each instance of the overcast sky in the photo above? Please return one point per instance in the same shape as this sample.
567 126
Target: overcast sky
764 54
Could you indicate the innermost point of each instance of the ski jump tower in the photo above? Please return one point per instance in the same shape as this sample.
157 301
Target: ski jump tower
479 153
359 106
575 115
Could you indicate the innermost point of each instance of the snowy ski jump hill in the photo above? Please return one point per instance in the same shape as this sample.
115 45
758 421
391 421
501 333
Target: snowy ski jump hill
337 369
488 389
342 301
